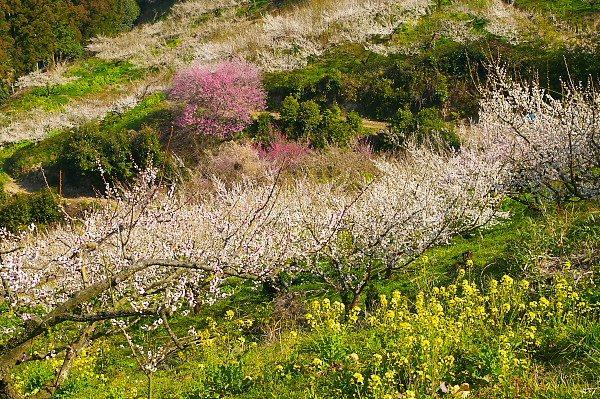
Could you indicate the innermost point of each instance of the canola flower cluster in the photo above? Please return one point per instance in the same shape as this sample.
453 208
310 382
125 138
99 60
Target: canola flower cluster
442 338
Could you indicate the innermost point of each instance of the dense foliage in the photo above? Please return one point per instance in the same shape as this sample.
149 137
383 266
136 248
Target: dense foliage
89 153
307 121
36 34
25 210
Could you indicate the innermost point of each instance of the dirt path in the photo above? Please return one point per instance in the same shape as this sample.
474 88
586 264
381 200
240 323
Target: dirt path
375 125
13 187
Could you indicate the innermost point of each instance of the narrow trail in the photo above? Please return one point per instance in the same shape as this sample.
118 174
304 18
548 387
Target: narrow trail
11 186
375 125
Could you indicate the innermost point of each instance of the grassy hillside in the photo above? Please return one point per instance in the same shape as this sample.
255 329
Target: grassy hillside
442 236
435 51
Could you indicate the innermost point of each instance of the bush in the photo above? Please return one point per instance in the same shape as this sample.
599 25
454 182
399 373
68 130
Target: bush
23 210
92 155
290 109
309 118
333 129
308 121
427 126
262 129
88 150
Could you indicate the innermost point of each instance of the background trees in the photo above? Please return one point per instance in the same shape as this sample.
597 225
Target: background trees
37 34
308 121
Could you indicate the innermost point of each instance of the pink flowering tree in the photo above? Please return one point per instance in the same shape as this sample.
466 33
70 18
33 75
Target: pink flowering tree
218 99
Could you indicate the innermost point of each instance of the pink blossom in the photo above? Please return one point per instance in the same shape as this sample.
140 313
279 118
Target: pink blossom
218 99
285 152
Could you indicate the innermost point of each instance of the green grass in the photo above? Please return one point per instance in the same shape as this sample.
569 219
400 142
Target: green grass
570 10
93 76
29 155
152 111
6 152
19 159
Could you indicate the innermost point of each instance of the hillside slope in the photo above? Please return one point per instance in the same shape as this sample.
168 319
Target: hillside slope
280 38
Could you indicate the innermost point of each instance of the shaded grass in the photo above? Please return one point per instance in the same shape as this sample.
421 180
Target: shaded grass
570 10
29 156
6 152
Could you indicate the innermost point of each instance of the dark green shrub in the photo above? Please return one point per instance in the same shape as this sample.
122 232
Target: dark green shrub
91 155
379 98
131 11
5 92
2 195
333 129
146 149
426 126
21 211
290 109
88 150
29 155
262 129
354 121
309 118
430 125
329 88
308 121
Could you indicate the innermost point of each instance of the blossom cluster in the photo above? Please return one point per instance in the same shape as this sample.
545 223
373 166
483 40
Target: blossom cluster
548 143
218 99
152 251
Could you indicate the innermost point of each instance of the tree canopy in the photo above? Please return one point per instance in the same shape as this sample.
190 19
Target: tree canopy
38 33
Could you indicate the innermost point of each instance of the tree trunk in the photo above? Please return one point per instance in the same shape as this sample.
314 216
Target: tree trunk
150 391
8 360
72 352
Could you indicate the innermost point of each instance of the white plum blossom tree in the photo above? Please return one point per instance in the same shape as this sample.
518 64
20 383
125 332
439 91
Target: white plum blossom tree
549 143
146 253
414 203
151 253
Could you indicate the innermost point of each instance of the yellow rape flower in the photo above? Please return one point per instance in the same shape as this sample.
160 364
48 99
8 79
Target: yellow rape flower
410 395
358 378
507 281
